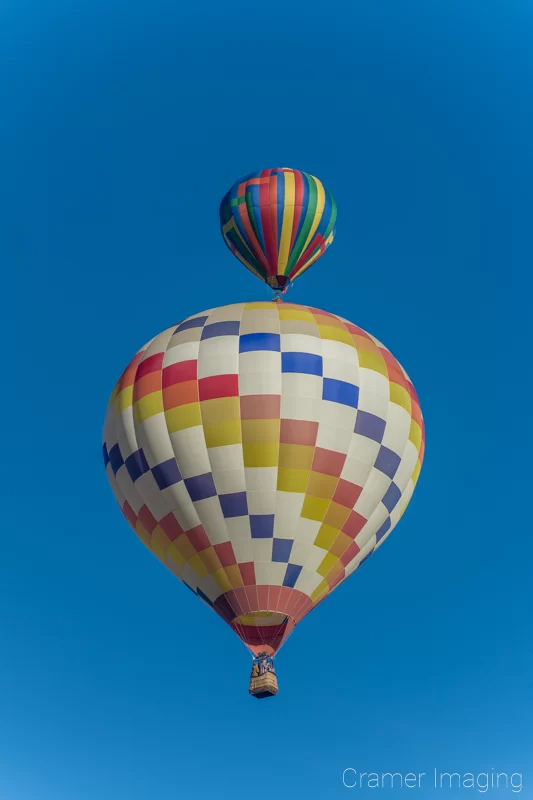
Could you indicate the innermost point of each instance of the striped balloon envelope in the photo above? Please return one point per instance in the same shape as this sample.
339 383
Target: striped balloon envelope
277 222
262 451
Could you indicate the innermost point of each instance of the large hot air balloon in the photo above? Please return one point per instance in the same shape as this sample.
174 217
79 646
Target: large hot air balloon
277 222
263 451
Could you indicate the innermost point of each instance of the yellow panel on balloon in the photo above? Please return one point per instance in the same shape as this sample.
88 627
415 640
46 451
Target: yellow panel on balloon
370 360
210 559
293 480
148 406
336 334
320 591
258 305
220 409
294 314
184 546
234 576
260 455
223 433
175 555
327 564
296 456
314 508
198 566
400 396
259 431
124 399
160 542
415 434
222 580
326 536
332 573
182 417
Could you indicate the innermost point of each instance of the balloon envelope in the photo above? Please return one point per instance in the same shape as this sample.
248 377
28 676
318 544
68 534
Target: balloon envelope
263 451
277 222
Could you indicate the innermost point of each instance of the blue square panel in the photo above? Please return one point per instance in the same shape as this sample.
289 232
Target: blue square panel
292 574
105 454
166 474
369 425
201 487
391 497
281 550
387 461
382 531
307 363
234 505
197 322
262 526
250 342
115 458
136 464
340 392
221 329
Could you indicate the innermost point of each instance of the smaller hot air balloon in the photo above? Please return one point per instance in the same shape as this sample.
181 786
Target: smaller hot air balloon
277 222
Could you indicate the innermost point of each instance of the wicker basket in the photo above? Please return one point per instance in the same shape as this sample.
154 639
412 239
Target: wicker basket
264 686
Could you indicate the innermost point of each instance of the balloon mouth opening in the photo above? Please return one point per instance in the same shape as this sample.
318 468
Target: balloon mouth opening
263 631
264 616
279 282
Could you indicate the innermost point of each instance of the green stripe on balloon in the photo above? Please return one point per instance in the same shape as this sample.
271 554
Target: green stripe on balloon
307 224
333 217
253 222
244 251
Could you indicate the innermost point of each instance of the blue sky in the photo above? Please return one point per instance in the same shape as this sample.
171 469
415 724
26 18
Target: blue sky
123 124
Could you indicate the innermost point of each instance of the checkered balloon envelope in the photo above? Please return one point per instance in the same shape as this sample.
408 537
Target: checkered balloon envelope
263 451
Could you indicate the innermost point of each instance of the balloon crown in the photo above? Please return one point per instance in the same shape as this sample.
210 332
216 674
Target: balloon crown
278 222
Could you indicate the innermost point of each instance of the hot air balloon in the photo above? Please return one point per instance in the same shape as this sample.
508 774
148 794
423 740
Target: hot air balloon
262 451
277 222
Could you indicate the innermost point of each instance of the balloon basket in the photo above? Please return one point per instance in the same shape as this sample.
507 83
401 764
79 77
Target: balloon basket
263 680
265 686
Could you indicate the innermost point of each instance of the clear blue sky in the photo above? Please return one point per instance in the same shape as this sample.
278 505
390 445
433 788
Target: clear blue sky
123 123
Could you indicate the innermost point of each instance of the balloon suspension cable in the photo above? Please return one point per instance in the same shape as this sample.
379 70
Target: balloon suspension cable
278 293
263 680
